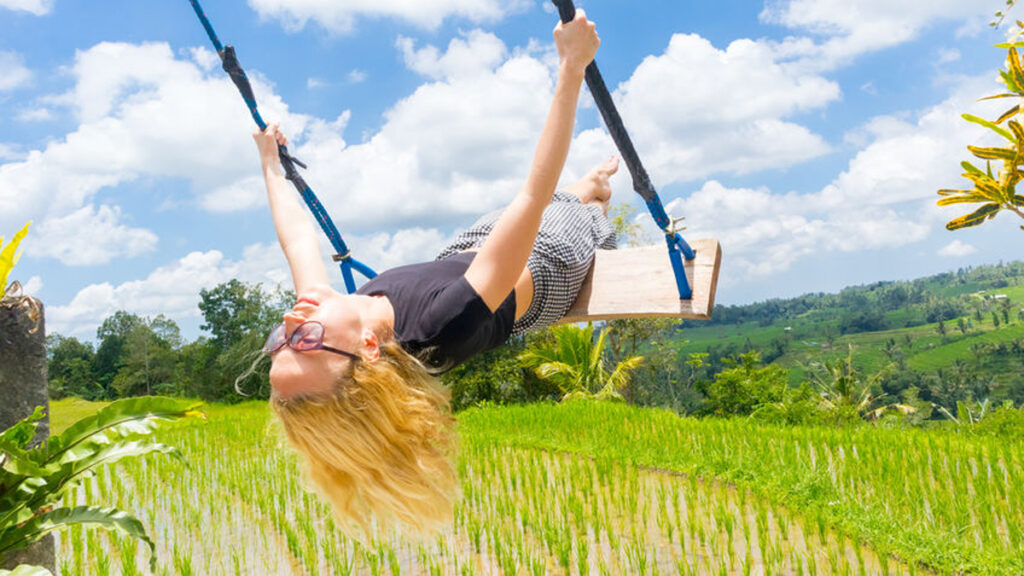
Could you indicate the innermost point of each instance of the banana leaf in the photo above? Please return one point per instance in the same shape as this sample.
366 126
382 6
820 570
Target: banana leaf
974 218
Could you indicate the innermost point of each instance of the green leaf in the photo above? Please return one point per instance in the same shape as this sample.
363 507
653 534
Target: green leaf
974 218
107 518
991 153
971 168
982 122
8 258
26 570
1013 61
996 96
122 419
1007 45
1008 79
964 199
22 433
1008 114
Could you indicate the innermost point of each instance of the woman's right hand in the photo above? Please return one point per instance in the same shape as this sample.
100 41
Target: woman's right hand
577 42
267 143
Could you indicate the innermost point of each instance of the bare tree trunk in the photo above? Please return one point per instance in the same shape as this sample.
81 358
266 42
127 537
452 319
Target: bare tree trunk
23 386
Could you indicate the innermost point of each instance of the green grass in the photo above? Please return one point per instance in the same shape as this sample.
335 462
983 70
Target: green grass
902 491
528 506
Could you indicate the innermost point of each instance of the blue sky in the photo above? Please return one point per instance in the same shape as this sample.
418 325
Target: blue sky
808 136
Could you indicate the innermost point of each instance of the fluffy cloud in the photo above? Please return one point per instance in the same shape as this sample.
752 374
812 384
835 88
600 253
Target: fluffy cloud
341 16
459 145
144 115
854 28
37 7
884 199
13 73
692 114
91 236
173 290
957 249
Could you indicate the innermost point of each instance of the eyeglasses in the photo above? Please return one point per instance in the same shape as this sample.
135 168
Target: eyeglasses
307 337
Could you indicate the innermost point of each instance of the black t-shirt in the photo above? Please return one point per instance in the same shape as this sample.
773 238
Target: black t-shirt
439 317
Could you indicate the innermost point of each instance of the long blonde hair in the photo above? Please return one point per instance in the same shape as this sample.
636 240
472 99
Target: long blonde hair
380 445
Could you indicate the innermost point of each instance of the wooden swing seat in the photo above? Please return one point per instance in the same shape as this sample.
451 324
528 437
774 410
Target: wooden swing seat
638 283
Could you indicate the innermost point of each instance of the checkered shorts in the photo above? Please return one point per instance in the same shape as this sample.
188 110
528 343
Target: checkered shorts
562 254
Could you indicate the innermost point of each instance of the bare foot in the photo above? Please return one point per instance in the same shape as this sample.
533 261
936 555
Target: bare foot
594 188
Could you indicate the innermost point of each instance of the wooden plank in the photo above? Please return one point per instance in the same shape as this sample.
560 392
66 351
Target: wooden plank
638 283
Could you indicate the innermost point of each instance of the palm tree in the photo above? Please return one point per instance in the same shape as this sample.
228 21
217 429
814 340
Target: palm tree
574 361
845 390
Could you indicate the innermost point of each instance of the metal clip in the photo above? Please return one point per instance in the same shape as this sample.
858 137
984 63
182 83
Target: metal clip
342 257
675 228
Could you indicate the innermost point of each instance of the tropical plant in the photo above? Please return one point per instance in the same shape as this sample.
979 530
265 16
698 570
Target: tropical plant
9 257
996 191
847 393
33 480
574 361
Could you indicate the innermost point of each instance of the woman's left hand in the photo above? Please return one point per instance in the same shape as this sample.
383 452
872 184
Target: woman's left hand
267 142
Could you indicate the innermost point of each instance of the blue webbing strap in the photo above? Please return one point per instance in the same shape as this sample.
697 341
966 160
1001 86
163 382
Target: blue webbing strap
677 247
231 65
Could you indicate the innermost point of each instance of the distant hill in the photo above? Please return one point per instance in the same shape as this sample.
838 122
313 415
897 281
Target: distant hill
970 321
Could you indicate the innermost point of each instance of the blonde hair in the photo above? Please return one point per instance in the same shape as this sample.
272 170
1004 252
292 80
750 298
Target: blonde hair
380 445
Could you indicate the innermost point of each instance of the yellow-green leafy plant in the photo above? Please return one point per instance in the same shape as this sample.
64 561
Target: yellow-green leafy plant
35 480
9 256
996 191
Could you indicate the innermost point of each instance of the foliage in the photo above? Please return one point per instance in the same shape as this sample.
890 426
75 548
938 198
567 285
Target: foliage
995 191
34 480
746 386
9 257
847 394
574 361
498 376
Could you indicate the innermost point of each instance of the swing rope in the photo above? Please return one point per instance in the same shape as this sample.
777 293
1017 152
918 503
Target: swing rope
677 247
234 69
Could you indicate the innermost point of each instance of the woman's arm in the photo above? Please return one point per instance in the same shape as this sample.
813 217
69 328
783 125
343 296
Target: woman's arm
295 231
502 258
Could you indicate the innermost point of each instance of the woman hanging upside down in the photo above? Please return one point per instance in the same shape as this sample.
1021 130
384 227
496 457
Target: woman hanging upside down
353 376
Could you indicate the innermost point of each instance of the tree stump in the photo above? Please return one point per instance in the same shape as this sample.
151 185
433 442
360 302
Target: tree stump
23 386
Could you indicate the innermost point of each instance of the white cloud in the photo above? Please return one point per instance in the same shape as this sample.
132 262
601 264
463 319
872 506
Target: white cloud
171 290
13 74
341 16
854 28
91 236
37 7
691 111
144 115
478 53
357 76
457 146
9 151
956 249
33 287
35 115
883 200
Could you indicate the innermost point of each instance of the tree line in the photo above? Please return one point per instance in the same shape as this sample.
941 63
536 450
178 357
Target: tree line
136 355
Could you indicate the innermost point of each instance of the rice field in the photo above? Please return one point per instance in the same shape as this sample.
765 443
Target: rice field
581 488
